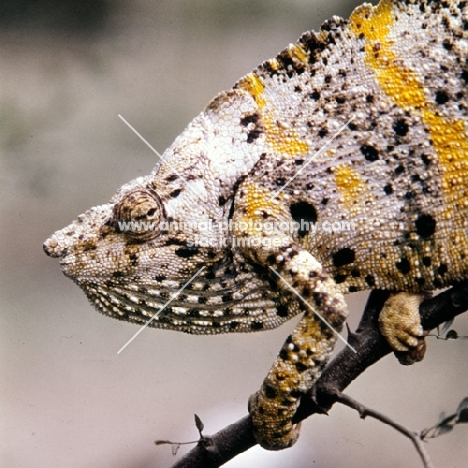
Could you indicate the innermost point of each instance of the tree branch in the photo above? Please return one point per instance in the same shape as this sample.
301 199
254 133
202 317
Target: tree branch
371 346
415 437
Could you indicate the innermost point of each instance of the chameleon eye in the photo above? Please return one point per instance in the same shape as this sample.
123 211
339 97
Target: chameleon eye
139 214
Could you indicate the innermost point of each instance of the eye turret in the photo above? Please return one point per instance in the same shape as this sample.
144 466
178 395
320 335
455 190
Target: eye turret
139 214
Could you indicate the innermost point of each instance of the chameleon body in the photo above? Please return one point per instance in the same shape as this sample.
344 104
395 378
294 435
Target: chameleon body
340 165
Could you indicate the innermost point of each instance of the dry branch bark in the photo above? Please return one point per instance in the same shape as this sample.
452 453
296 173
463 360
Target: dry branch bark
215 450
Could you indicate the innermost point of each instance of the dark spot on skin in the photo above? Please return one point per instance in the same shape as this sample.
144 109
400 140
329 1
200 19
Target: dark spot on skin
118 274
442 269
401 127
210 254
403 266
304 214
340 279
355 273
233 324
172 177
175 242
425 225
340 99
271 259
427 261
425 160
253 118
194 313
186 252
327 79
442 97
256 325
226 297
370 153
447 44
283 354
369 98
298 162
253 135
419 281
318 298
322 132
201 300
173 194
464 76
370 280
210 275
270 392
353 289
324 201
399 170
300 367
133 259
344 257
388 189
316 95
282 311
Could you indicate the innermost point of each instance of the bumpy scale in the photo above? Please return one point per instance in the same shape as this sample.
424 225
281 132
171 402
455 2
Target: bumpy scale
286 207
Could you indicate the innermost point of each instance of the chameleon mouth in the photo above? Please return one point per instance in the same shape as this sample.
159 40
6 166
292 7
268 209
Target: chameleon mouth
197 312
52 247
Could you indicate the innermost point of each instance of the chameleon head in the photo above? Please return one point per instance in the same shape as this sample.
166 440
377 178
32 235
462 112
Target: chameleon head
125 255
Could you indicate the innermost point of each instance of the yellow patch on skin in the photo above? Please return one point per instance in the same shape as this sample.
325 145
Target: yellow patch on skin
252 84
283 140
449 136
298 52
350 185
257 202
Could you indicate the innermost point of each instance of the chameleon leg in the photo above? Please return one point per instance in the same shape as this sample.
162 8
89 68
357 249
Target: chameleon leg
304 353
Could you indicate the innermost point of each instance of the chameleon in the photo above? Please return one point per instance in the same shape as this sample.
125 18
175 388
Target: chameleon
340 165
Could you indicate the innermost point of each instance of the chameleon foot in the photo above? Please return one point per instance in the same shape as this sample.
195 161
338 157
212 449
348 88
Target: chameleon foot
400 324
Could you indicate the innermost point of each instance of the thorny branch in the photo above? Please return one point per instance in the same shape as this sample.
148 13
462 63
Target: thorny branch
215 450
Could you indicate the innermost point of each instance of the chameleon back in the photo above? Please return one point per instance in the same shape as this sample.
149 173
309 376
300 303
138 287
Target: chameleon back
362 125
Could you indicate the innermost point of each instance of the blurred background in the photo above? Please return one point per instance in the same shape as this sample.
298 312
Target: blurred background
67 68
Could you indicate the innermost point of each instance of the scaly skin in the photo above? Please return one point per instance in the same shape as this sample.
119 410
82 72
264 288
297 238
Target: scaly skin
383 204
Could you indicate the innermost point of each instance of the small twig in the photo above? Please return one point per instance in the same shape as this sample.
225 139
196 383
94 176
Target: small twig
414 436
